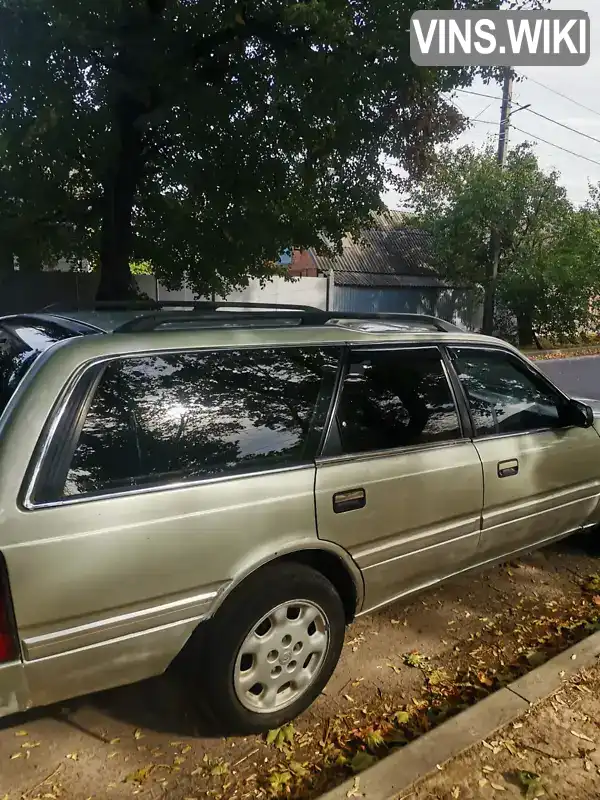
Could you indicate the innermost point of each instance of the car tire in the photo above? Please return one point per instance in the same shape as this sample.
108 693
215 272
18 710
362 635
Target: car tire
270 649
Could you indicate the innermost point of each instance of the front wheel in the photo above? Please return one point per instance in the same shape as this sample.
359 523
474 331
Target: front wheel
271 648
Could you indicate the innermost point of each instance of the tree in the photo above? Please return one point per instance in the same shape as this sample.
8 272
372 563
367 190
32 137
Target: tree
549 268
206 137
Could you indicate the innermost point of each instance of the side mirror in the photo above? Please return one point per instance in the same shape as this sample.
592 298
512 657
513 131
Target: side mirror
579 414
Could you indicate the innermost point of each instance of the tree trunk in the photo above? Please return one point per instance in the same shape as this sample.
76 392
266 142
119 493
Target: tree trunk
525 329
120 190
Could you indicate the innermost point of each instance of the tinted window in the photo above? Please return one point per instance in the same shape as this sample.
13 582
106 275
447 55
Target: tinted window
179 417
396 398
21 342
504 396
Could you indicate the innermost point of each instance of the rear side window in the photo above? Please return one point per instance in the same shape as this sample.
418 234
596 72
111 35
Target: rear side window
396 398
178 417
22 340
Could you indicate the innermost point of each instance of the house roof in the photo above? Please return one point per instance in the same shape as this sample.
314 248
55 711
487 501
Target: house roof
389 254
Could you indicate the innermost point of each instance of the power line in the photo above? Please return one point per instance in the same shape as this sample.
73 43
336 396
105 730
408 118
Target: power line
531 135
479 94
483 110
557 146
539 139
543 116
560 94
562 125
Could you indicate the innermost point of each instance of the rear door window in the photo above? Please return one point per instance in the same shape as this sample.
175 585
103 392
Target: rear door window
396 398
171 418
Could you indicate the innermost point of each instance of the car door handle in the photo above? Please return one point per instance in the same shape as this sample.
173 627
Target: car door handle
506 469
351 500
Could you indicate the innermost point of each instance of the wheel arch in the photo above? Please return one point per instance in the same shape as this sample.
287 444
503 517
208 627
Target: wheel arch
331 561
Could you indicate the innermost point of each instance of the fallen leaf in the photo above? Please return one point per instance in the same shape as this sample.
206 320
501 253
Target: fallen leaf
485 679
140 775
298 769
73 756
374 739
21 733
401 717
353 792
483 782
414 659
362 760
455 793
137 734
487 768
220 769
280 781
114 741
186 749
16 755
497 787
582 736
281 737
529 782
348 698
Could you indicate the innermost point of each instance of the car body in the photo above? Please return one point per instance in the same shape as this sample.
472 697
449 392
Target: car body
238 485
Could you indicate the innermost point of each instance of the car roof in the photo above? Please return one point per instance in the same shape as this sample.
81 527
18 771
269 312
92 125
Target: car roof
165 329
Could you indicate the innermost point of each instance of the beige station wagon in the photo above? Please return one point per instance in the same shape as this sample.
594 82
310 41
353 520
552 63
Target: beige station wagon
237 484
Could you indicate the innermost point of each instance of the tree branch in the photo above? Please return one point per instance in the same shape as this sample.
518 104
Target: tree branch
269 30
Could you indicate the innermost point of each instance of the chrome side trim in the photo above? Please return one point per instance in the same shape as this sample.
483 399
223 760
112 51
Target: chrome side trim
479 565
120 619
443 543
512 521
117 639
358 554
397 451
163 487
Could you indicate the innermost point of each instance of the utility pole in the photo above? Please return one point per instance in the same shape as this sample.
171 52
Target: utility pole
492 276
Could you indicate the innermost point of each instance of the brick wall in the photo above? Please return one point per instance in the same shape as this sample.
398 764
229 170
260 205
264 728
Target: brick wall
303 265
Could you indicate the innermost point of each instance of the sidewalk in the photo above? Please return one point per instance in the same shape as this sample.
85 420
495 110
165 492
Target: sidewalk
553 752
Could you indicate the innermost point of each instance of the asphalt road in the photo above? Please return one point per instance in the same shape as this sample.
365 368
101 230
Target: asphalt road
579 377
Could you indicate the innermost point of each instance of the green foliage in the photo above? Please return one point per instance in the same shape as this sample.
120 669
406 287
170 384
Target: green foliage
549 268
141 268
206 137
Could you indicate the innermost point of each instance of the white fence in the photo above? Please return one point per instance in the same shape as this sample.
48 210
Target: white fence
277 291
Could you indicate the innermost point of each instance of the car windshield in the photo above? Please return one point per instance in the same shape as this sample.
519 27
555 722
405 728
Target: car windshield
21 342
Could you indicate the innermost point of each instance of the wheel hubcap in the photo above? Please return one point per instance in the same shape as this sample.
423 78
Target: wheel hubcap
281 656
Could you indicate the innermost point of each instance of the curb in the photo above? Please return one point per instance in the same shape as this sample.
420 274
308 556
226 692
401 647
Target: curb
395 774
556 355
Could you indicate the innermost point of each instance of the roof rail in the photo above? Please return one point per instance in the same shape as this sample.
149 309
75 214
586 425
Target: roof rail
194 305
398 316
211 317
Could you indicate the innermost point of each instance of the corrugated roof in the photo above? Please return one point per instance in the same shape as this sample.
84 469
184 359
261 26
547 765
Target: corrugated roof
382 280
387 254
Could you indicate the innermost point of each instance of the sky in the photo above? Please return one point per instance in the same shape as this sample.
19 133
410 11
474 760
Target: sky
580 84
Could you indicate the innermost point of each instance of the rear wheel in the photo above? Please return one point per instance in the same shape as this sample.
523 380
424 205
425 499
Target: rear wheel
271 648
